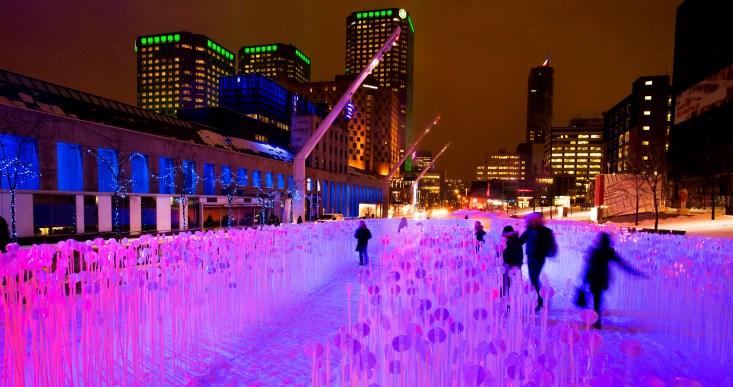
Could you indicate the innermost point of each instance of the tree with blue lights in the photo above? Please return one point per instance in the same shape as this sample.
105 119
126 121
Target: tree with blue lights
229 182
19 157
180 176
115 173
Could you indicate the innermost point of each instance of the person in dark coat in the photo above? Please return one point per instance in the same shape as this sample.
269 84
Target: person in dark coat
300 219
403 224
362 235
541 244
512 254
597 274
4 235
478 231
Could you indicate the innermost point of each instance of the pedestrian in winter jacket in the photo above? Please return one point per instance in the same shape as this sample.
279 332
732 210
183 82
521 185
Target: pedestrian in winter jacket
478 231
512 254
540 244
362 235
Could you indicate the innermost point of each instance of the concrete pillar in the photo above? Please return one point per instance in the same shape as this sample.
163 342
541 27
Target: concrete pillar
79 214
163 212
136 223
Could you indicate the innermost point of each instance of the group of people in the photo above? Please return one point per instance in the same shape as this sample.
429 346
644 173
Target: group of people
540 244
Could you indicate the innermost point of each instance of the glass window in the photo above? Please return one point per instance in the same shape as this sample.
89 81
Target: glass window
91 214
107 170
256 179
226 176
54 214
139 166
148 216
20 162
166 174
70 169
209 179
269 183
242 177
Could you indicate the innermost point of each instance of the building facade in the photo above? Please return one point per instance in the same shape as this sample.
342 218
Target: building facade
179 70
373 139
500 165
575 152
636 130
701 139
421 159
366 32
540 91
275 60
85 152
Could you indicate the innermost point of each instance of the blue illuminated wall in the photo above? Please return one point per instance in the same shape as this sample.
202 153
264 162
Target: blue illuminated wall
139 173
107 170
69 167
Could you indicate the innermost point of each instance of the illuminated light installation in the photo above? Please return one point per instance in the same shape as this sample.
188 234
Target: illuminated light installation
413 186
349 111
546 62
396 167
299 162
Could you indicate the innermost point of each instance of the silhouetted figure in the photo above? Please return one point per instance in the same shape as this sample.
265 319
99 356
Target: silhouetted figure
597 273
403 224
209 222
478 231
540 245
300 220
4 235
466 217
512 254
362 235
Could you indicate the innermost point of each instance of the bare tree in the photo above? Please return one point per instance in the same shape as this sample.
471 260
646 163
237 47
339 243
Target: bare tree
117 163
650 167
229 182
19 156
180 175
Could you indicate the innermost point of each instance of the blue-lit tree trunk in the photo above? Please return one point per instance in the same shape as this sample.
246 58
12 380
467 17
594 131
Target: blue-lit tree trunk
18 137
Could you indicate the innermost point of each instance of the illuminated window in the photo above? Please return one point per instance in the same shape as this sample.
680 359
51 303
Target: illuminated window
645 127
648 83
647 97
645 143
647 112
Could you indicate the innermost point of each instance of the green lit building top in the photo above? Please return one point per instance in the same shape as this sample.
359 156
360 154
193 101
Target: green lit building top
275 60
180 70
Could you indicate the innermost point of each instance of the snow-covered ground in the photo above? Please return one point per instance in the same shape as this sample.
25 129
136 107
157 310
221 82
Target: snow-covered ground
297 339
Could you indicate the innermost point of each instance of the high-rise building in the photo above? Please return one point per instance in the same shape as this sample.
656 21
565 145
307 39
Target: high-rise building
179 70
576 152
637 128
373 125
366 32
275 61
499 165
701 139
421 159
540 88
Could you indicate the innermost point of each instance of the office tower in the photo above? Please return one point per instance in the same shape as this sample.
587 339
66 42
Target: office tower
366 32
701 139
499 165
275 61
575 153
638 126
179 70
539 102
373 125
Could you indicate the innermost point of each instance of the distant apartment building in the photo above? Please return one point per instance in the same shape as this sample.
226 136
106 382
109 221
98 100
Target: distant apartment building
637 127
574 153
500 165
180 70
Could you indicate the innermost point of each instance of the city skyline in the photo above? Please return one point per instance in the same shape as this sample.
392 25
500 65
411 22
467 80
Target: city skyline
596 52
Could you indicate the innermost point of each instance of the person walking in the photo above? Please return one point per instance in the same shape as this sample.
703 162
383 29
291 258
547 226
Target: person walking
540 244
478 231
362 235
597 273
512 254
403 224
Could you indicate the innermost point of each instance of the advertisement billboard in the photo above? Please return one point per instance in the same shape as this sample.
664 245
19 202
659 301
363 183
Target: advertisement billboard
301 130
714 91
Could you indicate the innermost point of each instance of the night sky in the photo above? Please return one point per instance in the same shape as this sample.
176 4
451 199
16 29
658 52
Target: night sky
472 57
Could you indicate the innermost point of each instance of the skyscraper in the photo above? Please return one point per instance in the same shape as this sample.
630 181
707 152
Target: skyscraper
366 31
179 70
539 102
275 61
